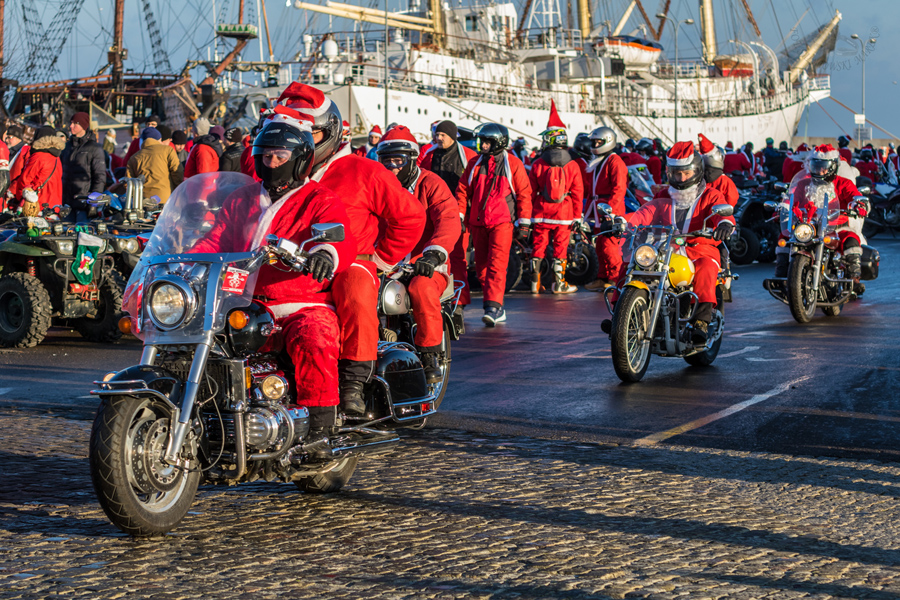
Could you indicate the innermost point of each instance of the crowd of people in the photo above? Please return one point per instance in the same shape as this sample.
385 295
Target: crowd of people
402 201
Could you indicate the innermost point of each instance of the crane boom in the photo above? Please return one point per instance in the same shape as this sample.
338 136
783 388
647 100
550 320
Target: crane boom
646 18
750 15
160 56
662 22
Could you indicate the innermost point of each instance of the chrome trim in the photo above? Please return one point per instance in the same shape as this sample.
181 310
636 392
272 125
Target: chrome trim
187 292
148 356
135 392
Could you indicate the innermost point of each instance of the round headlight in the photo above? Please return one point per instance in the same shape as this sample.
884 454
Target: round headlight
803 232
129 245
645 256
273 387
168 305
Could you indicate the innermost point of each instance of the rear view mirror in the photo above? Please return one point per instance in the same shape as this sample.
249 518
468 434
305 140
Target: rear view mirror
328 232
723 210
604 207
780 186
771 205
864 189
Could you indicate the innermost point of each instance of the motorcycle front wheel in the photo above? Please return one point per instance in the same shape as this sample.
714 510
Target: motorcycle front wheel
630 323
801 295
331 480
140 494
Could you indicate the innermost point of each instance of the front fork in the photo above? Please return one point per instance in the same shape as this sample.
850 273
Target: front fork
181 417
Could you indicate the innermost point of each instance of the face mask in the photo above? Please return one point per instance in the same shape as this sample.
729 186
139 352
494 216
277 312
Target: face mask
276 180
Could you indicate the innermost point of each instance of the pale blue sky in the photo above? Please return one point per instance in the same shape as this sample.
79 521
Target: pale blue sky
187 32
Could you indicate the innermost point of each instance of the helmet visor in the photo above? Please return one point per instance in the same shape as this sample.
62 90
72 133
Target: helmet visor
819 167
681 174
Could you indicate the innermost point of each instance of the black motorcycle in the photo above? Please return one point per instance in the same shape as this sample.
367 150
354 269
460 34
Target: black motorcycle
212 398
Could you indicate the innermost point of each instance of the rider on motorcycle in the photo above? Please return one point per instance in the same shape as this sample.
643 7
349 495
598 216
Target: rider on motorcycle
606 181
385 221
558 189
287 205
398 151
685 205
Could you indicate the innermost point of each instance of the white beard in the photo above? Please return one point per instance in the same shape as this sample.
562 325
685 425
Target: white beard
685 198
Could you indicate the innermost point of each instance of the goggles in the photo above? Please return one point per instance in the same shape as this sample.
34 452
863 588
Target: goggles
282 154
394 161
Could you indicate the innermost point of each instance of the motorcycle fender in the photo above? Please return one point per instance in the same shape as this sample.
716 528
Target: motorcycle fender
143 380
639 285
456 328
24 250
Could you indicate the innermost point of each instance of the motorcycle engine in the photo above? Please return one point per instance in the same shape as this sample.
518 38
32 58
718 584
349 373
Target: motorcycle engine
269 427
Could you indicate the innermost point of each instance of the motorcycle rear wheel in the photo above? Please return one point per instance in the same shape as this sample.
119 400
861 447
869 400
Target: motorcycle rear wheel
801 299
745 249
583 265
140 494
440 388
630 323
332 480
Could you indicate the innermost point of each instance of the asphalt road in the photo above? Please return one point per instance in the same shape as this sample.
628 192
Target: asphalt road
824 389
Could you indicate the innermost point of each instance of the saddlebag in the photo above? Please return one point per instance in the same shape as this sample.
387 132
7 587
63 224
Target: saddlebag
869 263
407 394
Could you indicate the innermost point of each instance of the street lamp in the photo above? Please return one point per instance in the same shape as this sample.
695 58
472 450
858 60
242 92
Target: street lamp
676 25
864 45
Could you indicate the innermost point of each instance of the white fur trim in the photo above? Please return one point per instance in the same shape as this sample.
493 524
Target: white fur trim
343 151
289 308
300 124
439 249
679 162
331 250
381 264
824 155
554 221
313 112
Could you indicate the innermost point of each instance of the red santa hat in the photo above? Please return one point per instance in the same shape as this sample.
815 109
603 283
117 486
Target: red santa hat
680 155
399 138
802 148
825 151
305 99
706 146
729 146
554 121
282 114
376 130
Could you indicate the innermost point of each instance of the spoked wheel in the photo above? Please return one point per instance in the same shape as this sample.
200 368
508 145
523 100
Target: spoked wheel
440 388
630 323
744 248
706 358
333 479
139 493
583 264
801 294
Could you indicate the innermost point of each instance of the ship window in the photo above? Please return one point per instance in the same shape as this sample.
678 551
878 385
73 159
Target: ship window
420 111
406 109
379 107
471 22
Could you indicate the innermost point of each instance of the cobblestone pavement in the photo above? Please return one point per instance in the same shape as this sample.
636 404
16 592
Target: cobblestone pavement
461 515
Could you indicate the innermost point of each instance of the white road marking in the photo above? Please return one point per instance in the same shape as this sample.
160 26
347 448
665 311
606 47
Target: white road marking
751 333
651 440
4 391
742 351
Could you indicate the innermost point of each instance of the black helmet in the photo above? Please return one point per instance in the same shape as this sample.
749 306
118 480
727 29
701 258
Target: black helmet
644 145
582 146
843 141
496 134
696 165
822 168
629 143
783 146
866 154
283 136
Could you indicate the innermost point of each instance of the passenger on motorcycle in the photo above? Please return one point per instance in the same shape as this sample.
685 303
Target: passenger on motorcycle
606 182
644 148
868 166
287 205
557 189
713 165
398 151
385 221
686 203
822 164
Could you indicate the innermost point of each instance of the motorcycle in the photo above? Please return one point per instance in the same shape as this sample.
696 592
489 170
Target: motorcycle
212 398
398 322
656 304
884 201
816 273
756 234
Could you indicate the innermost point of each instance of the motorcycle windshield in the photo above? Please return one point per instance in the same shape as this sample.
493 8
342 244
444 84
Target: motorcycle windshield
809 201
198 263
651 235
641 182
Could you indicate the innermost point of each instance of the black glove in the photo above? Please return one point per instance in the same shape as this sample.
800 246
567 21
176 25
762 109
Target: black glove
523 231
430 260
723 231
319 265
462 225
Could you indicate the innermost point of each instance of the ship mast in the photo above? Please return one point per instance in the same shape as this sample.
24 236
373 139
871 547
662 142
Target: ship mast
2 11
584 18
708 27
117 52
807 57
621 24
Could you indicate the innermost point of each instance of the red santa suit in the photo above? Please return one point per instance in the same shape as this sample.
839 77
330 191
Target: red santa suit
248 164
203 157
703 252
557 188
654 165
496 194
302 306
793 164
367 149
725 186
846 154
736 161
42 172
608 182
870 169
449 166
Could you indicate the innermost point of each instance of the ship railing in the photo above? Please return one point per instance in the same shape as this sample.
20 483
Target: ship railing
687 69
629 103
554 37
820 82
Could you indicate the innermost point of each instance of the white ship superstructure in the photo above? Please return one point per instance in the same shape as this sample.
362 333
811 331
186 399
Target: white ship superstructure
475 64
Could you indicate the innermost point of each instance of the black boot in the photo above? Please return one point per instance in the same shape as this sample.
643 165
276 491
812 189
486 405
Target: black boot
854 271
782 262
353 401
431 364
699 333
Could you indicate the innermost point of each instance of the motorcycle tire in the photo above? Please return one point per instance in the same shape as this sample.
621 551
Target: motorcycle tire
630 322
439 389
24 311
706 358
330 481
514 269
583 266
139 493
103 327
745 249
801 300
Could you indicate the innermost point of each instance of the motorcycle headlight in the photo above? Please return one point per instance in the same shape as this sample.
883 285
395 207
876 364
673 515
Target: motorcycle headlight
803 232
66 247
273 387
169 304
645 256
129 245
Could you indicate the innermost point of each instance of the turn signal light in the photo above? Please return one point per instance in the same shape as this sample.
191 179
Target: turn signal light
248 377
125 325
826 239
238 319
782 243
